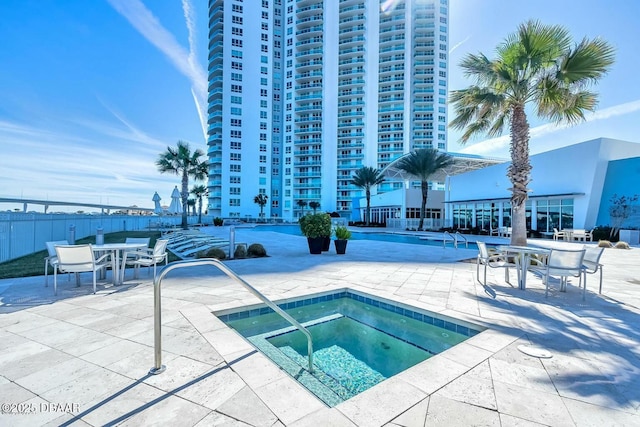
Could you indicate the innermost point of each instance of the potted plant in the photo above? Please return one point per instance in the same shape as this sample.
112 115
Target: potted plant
315 227
342 236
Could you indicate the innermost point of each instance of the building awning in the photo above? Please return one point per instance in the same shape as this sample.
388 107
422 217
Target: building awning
461 163
506 199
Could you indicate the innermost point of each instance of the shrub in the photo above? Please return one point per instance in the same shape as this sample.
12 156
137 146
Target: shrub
256 250
342 233
240 252
218 222
216 253
622 245
315 225
604 244
603 232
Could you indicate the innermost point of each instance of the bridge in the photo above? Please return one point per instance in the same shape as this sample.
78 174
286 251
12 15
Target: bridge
47 203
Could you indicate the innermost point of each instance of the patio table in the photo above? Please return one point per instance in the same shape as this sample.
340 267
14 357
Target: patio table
523 259
116 249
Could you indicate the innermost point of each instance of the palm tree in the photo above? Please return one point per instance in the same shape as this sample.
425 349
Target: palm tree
181 161
261 200
422 164
191 206
301 204
366 177
314 205
538 65
199 191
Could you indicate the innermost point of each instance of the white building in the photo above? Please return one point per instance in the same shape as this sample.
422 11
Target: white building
303 93
571 187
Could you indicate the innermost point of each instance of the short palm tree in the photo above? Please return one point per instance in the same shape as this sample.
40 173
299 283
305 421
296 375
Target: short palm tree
422 164
187 164
191 206
538 65
366 177
199 191
261 200
314 205
301 204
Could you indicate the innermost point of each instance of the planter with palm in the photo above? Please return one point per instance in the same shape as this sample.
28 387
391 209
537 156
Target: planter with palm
261 200
342 237
539 69
421 165
314 205
181 161
366 177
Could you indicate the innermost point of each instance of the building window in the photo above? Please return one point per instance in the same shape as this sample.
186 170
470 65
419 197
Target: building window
234 179
235 168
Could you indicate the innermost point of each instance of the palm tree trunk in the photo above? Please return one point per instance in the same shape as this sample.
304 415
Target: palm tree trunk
424 186
368 213
519 173
185 197
200 210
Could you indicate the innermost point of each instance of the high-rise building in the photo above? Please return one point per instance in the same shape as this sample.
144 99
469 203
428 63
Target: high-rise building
302 93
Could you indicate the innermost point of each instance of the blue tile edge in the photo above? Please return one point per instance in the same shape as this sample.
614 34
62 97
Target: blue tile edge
430 319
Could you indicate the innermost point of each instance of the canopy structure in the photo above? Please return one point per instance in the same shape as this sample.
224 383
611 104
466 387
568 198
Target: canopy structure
461 163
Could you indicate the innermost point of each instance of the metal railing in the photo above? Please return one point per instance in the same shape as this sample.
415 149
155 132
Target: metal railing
466 242
444 240
157 327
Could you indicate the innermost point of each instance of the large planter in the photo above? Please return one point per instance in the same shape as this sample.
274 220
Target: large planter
315 245
341 246
326 243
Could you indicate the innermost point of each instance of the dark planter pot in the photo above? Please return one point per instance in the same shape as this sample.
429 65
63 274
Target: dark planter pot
341 246
315 245
326 243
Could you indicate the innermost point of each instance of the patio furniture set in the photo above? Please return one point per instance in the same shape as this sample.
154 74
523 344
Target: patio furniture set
561 263
66 258
571 234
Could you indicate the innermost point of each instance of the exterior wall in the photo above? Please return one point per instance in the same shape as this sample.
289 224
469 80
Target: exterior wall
622 179
576 171
339 85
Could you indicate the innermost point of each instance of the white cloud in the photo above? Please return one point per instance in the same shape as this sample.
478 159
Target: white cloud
185 61
501 143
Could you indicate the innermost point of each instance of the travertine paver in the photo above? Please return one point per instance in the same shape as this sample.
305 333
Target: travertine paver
95 351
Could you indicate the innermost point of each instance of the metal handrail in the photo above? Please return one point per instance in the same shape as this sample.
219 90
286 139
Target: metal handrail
159 367
444 240
466 242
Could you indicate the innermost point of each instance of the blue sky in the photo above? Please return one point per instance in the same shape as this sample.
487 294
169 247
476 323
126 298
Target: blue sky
91 91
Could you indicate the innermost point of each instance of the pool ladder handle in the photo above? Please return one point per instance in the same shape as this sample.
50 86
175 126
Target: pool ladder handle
157 324
454 238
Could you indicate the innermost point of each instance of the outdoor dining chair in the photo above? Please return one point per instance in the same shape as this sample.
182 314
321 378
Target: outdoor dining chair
78 259
559 235
492 260
51 259
562 263
591 263
148 258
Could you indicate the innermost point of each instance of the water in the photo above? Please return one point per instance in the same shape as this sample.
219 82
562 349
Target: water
358 341
379 236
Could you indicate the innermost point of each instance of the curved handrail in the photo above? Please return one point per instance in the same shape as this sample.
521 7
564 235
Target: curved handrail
466 242
157 326
444 240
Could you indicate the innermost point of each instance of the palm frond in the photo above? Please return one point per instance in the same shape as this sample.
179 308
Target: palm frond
586 63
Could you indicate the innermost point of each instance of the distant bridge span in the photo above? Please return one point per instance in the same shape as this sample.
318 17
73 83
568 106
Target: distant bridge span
47 203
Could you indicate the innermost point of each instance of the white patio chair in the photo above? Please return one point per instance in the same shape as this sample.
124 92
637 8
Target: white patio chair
146 258
141 240
78 259
562 263
558 235
591 263
51 259
588 235
493 260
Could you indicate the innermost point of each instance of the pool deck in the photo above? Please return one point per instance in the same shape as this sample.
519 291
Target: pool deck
83 360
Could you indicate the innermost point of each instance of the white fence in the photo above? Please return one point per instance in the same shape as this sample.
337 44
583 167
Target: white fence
24 233
412 223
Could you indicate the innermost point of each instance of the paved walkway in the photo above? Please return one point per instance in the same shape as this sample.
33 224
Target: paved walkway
81 359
